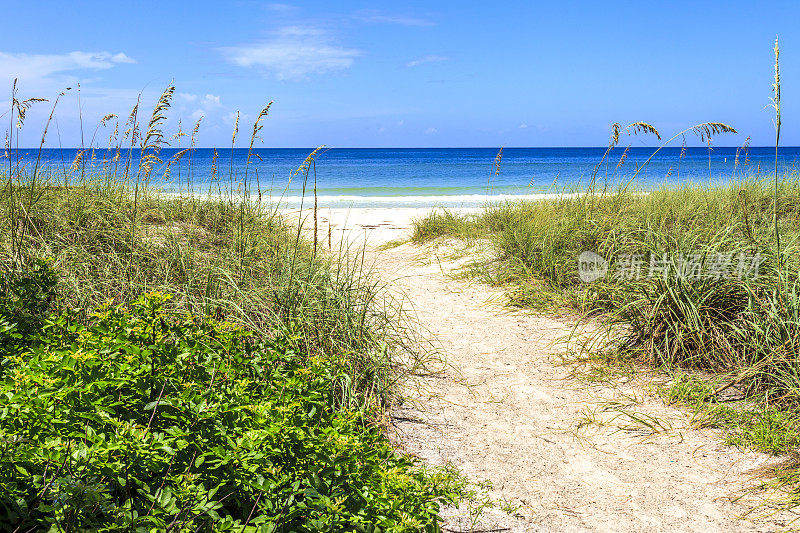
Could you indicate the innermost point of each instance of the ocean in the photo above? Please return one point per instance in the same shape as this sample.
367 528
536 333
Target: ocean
424 177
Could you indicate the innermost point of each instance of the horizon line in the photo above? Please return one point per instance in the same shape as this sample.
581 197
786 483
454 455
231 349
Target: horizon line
772 147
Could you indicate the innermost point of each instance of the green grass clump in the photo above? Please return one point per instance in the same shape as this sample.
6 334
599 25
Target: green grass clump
444 222
142 419
713 323
769 429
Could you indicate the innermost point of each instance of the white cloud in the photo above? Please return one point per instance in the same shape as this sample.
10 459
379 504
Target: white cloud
376 17
294 53
401 122
299 31
281 8
523 126
200 106
426 59
122 58
431 131
28 67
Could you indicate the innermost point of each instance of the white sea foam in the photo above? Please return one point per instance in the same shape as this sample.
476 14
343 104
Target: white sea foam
454 200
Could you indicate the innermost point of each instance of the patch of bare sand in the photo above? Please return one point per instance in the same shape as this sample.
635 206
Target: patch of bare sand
371 225
501 411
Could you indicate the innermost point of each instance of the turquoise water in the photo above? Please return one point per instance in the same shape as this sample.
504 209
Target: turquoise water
363 177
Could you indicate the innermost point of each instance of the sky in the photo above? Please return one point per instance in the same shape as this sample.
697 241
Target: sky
406 74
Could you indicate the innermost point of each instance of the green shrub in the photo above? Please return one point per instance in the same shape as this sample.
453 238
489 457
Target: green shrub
144 420
26 299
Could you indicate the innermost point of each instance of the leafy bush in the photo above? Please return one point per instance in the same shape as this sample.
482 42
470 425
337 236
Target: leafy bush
26 297
145 420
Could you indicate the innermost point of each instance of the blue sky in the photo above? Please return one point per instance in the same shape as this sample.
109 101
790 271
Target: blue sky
411 73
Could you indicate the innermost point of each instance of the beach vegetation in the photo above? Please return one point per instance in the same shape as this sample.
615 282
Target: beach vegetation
726 320
190 361
688 278
138 418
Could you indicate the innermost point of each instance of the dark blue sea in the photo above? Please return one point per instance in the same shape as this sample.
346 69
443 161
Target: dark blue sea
365 177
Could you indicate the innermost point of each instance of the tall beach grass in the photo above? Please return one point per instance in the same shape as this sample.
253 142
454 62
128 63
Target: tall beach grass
719 322
113 234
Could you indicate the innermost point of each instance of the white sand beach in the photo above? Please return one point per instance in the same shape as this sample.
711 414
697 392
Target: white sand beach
373 225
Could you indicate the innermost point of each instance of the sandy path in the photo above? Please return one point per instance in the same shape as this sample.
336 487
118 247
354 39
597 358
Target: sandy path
502 412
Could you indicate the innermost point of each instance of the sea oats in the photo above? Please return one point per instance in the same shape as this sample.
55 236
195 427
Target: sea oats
742 148
235 129
704 130
643 127
22 108
196 128
174 159
615 128
306 164
776 104
257 126
76 163
180 133
113 135
497 160
708 129
624 156
154 136
214 165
